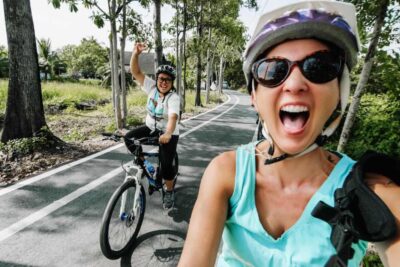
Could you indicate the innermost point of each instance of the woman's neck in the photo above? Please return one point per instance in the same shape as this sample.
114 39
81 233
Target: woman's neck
315 165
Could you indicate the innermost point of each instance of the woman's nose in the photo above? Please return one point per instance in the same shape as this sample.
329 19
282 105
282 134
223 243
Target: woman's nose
295 82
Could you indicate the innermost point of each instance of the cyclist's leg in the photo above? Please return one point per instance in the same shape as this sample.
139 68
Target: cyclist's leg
167 153
136 133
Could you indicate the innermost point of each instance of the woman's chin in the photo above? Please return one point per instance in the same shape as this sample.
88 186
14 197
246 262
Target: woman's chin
291 147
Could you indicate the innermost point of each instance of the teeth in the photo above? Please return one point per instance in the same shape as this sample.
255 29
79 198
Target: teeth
294 108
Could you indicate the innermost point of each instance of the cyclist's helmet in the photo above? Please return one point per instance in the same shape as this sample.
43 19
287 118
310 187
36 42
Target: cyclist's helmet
329 21
166 69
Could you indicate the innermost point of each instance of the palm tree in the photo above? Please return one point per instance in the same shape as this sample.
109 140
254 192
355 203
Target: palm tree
45 56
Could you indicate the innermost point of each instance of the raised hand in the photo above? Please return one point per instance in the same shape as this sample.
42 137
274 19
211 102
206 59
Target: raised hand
138 48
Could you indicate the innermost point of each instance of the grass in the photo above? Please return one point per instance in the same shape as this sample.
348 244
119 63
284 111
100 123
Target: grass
3 95
68 93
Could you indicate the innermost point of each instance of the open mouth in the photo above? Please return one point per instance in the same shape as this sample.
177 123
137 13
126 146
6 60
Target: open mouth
294 117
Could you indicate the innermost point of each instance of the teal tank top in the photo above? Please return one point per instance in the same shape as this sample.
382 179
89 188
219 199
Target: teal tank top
306 243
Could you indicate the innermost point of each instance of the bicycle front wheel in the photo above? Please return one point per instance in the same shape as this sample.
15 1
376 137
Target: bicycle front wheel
120 226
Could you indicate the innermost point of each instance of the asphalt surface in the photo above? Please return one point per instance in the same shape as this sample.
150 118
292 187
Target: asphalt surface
54 219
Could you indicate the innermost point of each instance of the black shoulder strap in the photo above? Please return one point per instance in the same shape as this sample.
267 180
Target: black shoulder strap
358 212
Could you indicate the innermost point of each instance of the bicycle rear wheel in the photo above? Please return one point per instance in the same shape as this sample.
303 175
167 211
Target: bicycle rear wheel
119 230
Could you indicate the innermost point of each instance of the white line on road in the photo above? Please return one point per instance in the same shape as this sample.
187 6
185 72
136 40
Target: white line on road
56 170
18 226
21 224
226 102
214 118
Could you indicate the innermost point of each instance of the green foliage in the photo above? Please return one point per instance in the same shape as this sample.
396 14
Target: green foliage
234 74
136 98
133 121
71 93
110 128
384 75
367 12
3 95
3 62
86 58
371 259
49 61
376 127
75 135
24 146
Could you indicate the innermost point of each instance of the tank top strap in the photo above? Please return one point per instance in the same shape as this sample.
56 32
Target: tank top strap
245 174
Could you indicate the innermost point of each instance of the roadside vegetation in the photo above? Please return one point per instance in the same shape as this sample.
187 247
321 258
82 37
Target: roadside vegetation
76 113
88 102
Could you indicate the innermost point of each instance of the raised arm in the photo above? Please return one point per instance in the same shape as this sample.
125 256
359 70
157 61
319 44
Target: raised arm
134 64
389 192
209 213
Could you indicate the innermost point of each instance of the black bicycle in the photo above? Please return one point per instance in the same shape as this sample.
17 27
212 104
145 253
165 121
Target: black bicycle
125 210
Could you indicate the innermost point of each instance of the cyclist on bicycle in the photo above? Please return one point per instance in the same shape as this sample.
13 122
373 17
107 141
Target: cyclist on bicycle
163 106
260 197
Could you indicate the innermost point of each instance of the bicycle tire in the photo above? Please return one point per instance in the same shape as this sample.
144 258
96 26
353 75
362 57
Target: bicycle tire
126 224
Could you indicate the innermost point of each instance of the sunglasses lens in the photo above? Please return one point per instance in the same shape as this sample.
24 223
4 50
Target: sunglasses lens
272 72
321 67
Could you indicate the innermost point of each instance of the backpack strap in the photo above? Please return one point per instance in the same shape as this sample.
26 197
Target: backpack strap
358 212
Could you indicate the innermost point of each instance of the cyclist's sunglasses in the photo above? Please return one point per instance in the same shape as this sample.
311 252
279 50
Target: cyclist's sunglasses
166 80
319 67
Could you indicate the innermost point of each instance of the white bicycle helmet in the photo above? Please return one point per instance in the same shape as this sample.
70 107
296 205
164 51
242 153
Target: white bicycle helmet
327 20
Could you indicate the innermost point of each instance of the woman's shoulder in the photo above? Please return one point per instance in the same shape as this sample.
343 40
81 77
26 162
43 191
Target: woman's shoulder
221 172
174 97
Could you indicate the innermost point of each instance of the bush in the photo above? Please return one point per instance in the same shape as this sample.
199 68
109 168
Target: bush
376 127
24 146
3 95
371 259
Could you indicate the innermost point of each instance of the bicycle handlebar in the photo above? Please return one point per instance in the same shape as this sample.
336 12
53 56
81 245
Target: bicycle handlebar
141 141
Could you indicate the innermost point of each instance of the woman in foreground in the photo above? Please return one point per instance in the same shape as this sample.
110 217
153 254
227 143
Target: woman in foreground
260 197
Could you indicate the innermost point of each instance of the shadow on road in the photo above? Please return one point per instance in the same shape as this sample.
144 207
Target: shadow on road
184 202
11 264
156 248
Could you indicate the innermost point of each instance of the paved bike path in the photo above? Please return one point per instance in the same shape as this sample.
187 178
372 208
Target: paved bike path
55 221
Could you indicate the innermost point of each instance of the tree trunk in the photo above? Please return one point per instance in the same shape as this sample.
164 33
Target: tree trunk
112 72
365 73
24 111
209 64
183 57
122 64
116 89
157 32
177 54
199 65
179 70
221 74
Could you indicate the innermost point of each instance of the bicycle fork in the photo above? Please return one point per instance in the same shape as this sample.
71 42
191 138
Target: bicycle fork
125 212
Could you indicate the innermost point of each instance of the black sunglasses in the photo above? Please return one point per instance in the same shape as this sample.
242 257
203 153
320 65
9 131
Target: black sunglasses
319 67
166 80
